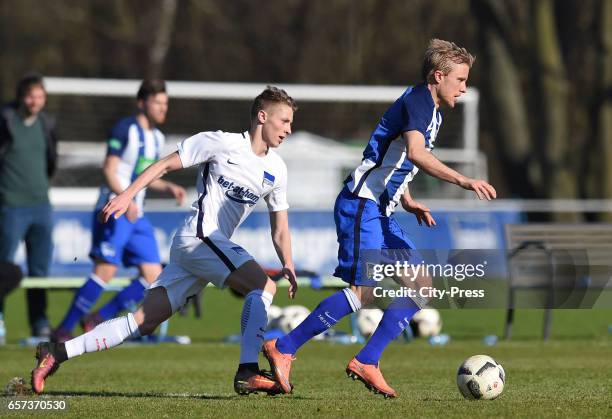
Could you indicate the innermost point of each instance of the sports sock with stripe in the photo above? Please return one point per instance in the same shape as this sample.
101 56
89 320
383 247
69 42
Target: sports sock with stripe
322 318
395 319
84 299
126 299
253 324
105 336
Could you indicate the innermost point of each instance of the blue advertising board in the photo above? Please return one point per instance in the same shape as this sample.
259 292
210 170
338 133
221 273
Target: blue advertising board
313 236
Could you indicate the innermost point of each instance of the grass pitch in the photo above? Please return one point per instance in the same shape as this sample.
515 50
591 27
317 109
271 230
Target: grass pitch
570 376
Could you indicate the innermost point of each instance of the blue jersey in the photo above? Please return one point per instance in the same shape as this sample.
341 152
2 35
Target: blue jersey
138 148
385 170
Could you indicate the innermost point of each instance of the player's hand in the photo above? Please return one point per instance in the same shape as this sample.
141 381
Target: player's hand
289 274
482 189
178 192
116 207
420 211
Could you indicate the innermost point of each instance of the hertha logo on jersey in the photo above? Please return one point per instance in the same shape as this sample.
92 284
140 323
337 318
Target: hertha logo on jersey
268 179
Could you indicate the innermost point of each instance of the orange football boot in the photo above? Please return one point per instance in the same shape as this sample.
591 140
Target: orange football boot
250 382
46 365
371 376
280 364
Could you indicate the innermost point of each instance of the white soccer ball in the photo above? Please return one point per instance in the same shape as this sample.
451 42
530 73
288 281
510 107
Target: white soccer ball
367 320
274 315
427 322
292 316
481 377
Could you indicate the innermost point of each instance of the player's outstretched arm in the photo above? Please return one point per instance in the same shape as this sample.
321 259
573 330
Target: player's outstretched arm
424 160
119 205
279 221
420 211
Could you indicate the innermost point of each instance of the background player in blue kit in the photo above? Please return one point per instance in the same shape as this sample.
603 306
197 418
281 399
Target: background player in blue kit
134 143
235 171
398 147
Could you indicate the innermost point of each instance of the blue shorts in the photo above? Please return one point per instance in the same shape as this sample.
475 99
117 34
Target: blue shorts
120 241
365 235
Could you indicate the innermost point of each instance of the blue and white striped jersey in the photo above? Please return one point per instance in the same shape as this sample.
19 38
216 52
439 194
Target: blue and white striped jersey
138 149
385 170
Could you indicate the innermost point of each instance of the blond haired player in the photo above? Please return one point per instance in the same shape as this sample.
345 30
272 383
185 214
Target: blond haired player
400 145
235 171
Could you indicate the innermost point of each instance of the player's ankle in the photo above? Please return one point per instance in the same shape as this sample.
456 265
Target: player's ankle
285 346
248 369
58 350
366 360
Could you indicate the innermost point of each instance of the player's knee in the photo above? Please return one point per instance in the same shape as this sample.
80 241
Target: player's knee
148 327
364 294
270 287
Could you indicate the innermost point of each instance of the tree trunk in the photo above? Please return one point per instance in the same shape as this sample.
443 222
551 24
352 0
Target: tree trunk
163 39
559 166
604 126
505 103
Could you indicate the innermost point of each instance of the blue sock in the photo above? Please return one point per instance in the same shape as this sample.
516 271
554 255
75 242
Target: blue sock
394 321
325 316
84 300
126 299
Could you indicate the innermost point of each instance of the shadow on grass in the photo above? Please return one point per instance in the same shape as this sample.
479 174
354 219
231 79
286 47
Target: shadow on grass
165 395
139 395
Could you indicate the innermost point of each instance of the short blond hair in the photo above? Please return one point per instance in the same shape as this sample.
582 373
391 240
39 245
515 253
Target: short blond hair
441 55
271 95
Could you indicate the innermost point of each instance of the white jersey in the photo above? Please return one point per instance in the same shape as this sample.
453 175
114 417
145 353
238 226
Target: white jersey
138 149
231 180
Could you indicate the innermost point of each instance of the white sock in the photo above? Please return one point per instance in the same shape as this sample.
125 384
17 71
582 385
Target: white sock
144 282
253 324
352 299
106 335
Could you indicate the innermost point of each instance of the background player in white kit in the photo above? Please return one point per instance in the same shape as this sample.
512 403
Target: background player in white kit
235 171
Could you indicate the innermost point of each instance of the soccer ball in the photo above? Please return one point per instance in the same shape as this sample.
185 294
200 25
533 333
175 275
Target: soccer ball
426 322
481 377
367 320
292 316
274 315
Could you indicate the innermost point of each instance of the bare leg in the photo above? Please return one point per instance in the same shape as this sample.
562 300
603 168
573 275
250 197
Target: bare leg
150 271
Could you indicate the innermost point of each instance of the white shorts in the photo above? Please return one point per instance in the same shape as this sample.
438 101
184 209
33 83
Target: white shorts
195 262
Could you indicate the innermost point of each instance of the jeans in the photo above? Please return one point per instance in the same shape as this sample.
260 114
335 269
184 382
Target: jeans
32 224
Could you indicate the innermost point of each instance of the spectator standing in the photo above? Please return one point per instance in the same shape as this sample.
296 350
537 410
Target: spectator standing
28 158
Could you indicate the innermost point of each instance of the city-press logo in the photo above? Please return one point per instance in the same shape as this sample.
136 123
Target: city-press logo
238 193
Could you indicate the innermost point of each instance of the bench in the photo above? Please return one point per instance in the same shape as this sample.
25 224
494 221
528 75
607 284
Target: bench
564 261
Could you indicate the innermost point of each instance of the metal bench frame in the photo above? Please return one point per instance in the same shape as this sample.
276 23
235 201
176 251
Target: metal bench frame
549 237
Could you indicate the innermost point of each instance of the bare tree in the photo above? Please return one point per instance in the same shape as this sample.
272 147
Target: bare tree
163 38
